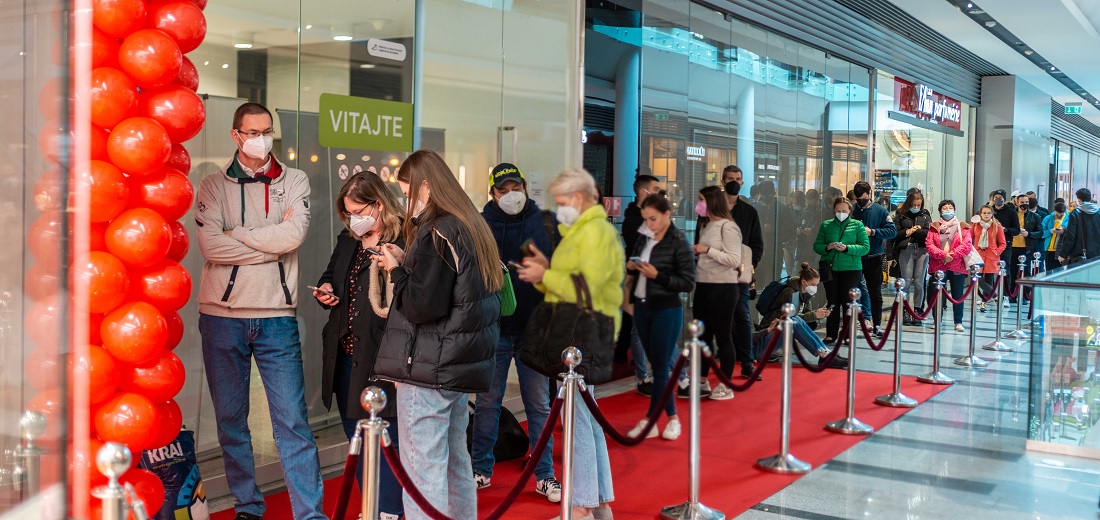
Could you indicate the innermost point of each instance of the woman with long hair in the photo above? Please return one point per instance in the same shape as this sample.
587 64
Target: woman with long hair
948 243
443 327
799 291
989 240
842 242
358 294
716 288
912 220
584 230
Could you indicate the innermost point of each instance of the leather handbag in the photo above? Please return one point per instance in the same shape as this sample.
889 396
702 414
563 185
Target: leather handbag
556 326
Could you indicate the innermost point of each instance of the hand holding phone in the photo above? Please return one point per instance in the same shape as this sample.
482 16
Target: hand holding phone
373 252
515 265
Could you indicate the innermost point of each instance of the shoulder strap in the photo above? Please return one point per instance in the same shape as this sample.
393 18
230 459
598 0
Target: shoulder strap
584 296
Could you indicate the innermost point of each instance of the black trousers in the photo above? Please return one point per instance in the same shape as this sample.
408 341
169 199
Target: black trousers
1052 261
1014 266
715 304
872 272
837 291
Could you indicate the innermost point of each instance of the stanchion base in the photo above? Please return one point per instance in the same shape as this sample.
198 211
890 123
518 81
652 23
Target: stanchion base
936 378
998 346
690 511
896 400
851 426
1017 334
972 361
786 465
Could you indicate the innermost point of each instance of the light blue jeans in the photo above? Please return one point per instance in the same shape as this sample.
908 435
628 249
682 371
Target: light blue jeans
802 334
227 346
534 390
433 450
591 467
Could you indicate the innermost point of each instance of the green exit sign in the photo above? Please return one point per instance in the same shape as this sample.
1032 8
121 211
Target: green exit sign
1073 109
660 117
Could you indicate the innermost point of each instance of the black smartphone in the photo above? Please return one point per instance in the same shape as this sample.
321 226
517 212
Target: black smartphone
373 252
516 266
525 248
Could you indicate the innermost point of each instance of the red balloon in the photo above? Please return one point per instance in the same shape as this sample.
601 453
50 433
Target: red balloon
51 404
101 370
180 19
139 237
43 325
118 18
44 239
179 159
171 421
51 141
148 486
114 96
189 75
165 284
175 330
139 146
97 236
109 190
175 107
104 49
45 364
105 277
134 333
49 97
200 3
41 282
128 418
167 192
160 380
47 192
95 321
180 242
151 57
99 144
84 461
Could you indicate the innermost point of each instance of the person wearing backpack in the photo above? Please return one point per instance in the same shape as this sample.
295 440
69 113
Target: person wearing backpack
1081 239
716 288
799 291
842 242
514 220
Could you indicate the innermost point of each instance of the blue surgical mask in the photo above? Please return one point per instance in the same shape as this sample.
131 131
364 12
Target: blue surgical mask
948 215
914 210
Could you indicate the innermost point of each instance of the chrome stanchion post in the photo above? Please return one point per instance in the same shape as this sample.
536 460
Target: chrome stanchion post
997 345
897 399
28 456
784 462
113 459
692 509
570 385
936 377
849 425
1036 264
971 360
373 400
1019 333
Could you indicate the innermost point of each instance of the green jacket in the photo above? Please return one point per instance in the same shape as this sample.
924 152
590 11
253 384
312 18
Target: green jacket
592 248
851 234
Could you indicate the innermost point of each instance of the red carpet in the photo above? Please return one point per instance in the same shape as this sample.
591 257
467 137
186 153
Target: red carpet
735 434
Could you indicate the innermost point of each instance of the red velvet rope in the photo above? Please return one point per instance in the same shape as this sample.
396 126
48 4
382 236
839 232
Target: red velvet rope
867 333
394 460
992 294
755 373
348 479
651 421
824 363
913 313
1014 292
961 298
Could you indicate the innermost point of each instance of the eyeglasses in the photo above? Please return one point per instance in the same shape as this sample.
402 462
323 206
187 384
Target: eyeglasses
252 135
358 212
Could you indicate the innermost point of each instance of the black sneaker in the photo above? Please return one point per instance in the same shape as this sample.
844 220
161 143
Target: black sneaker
684 390
646 388
838 362
877 332
775 359
747 371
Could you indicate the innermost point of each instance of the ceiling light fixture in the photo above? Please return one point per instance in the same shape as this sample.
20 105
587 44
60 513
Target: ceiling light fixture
342 33
243 40
367 65
1029 52
991 24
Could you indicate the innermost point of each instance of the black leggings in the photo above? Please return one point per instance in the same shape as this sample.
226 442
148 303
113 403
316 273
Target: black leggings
715 304
837 292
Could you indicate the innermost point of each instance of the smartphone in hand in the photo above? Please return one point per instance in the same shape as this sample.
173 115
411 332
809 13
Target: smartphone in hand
638 260
525 248
322 291
516 266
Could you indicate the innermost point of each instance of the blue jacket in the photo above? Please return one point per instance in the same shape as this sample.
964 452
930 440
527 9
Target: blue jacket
1048 227
876 217
511 231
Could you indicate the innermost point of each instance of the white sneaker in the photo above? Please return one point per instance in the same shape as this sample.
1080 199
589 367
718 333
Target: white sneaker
1005 304
672 431
385 516
704 387
482 481
637 430
721 393
550 488
959 328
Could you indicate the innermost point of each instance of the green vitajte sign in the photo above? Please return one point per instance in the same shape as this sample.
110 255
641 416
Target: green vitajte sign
365 124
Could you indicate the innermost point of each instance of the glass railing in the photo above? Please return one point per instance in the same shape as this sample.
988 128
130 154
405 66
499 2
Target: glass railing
1064 390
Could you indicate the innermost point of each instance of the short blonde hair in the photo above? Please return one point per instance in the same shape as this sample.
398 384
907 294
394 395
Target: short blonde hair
572 181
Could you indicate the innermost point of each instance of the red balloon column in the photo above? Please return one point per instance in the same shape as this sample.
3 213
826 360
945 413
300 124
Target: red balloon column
143 107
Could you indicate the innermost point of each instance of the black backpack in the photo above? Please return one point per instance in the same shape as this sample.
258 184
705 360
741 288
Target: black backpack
766 298
512 441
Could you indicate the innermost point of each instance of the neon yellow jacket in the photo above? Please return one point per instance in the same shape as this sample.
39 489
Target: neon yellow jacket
592 248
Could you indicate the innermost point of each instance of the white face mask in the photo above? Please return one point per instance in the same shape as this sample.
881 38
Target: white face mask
361 225
646 232
258 147
568 215
841 216
512 202
811 290
418 209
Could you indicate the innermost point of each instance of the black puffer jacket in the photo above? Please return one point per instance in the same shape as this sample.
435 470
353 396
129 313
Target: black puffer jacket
906 221
675 264
444 324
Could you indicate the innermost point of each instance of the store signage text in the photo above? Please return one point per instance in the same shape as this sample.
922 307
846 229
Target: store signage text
695 153
925 103
365 124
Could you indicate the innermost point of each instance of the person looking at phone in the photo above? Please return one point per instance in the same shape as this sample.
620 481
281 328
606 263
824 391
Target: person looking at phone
799 291
912 220
515 221
841 242
644 186
358 294
663 267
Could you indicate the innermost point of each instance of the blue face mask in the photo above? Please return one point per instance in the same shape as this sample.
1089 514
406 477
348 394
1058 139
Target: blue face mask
914 210
948 215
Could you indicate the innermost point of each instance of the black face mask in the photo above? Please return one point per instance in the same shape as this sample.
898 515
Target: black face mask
733 188
998 202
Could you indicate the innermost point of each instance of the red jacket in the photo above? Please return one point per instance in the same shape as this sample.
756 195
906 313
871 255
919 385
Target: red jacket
960 246
992 254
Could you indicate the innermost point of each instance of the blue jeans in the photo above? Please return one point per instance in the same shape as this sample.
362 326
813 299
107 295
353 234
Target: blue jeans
227 345
591 466
742 328
389 490
637 351
534 390
659 329
802 335
433 440
959 282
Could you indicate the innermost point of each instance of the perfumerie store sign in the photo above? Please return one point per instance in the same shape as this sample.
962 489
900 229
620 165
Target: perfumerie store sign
922 102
